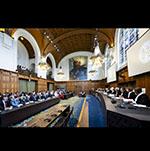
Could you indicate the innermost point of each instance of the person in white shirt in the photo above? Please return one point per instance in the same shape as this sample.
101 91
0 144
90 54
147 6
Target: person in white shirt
56 93
131 94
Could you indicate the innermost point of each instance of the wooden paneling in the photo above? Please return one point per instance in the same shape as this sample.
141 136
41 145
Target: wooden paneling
147 84
8 81
77 86
42 85
144 82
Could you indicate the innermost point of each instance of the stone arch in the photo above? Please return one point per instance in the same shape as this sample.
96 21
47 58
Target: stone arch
51 57
24 33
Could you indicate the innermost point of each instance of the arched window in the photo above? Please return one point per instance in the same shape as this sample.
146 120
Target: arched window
127 37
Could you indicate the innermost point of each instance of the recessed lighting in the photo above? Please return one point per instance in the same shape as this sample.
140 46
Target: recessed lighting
44 33
47 36
21 38
51 41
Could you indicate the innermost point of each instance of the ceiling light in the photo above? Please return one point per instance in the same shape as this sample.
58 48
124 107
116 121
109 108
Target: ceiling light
44 33
112 45
47 37
21 38
97 58
43 65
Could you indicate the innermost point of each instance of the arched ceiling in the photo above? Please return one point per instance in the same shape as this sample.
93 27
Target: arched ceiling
70 40
28 46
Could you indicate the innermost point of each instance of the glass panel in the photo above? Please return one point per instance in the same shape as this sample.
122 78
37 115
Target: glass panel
127 37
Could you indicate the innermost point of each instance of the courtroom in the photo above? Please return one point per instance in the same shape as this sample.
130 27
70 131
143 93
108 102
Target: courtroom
75 77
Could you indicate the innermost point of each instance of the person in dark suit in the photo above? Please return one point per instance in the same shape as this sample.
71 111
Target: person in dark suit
142 98
2 106
118 92
131 94
124 93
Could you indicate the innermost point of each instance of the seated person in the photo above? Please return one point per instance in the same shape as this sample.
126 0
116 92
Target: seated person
109 90
43 97
22 99
82 94
131 94
15 102
141 97
56 93
2 103
27 97
113 91
52 93
32 97
7 99
61 94
118 92
124 93
38 96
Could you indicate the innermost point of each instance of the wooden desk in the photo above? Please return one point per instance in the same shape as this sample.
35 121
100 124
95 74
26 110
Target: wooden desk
10 117
46 118
68 95
125 117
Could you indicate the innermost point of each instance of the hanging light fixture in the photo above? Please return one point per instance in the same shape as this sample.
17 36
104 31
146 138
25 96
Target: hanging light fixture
97 58
43 65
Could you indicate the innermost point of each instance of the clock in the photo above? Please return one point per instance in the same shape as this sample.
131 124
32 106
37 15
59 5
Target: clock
144 52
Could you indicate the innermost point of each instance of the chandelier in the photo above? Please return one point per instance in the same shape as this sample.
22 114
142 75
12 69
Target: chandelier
97 58
43 65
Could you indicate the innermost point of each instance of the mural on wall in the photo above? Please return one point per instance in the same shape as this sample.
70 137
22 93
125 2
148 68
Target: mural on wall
78 68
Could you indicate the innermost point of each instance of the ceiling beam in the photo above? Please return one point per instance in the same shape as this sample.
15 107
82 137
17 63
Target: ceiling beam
81 31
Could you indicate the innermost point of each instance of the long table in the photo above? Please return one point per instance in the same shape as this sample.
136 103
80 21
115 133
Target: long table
10 117
68 95
124 117
48 117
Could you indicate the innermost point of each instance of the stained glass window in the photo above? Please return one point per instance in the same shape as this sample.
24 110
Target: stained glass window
127 37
